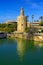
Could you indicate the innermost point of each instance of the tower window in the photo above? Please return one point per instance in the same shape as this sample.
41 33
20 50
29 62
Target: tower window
22 24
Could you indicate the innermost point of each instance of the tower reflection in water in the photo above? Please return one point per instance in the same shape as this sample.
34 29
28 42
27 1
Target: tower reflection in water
21 47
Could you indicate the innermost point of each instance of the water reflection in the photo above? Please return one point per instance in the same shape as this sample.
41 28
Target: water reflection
21 47
24 46
39 44
2 41
21 51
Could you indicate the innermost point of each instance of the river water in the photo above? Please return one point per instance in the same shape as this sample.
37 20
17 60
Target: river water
20 52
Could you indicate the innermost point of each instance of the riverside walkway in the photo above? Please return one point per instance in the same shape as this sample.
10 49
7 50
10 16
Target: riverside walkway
38 34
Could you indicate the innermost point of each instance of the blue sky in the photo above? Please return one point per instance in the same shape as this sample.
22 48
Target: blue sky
10 9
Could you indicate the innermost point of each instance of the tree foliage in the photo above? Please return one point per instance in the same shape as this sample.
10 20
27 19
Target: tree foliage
42 31
8 27
41 23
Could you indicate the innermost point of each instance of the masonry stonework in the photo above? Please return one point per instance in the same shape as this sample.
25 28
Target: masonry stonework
21 21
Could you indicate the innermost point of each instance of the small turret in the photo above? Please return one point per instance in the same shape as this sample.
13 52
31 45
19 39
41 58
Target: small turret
22 12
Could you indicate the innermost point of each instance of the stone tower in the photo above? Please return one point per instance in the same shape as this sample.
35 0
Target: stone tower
21 21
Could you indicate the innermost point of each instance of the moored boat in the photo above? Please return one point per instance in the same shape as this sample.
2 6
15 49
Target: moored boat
3 35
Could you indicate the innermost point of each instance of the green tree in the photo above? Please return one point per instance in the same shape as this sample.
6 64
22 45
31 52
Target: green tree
8 27
42 31
32 17
41 17
41 23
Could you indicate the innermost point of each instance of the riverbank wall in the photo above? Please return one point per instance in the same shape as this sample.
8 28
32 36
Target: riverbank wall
35 37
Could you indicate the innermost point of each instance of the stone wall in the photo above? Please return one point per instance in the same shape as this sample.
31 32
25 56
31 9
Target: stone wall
26 36
38 38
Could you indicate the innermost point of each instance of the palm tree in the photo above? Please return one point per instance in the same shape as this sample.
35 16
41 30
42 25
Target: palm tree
37 20
32 17
41 17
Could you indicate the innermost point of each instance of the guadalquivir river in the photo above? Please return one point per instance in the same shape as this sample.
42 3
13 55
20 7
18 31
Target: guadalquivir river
20 52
